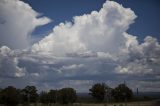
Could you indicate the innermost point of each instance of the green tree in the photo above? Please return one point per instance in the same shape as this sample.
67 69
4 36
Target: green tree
10 96
122 93
67 95
44 97
53 96
30 94
98 91
20 96
1 96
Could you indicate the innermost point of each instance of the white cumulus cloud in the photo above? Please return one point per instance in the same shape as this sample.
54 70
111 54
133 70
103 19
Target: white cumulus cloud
9 64
100 31
17 21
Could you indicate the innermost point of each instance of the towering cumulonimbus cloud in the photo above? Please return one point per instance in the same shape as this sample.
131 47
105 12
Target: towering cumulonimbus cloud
17 22
102 31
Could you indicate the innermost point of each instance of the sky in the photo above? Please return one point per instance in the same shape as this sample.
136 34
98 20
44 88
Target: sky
66 43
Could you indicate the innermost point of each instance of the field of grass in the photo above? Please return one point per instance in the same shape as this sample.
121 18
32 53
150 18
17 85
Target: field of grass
120 104
147 103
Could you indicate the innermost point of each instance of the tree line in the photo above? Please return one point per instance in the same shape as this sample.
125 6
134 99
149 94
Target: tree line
100 91
11 96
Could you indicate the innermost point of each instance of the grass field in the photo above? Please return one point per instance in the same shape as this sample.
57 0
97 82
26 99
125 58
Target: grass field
147 103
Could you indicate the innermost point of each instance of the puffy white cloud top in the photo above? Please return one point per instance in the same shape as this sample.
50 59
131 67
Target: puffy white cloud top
102 31
17 21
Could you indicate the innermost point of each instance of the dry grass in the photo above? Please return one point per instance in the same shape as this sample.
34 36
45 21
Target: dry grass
149 103
120 104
